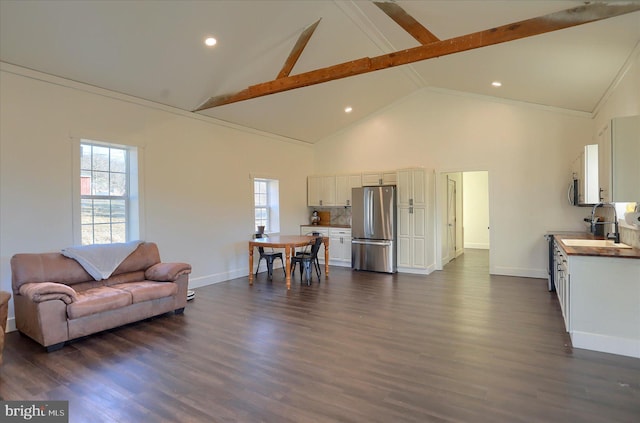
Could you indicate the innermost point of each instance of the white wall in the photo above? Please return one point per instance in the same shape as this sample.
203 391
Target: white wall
527 151
196 188
475 210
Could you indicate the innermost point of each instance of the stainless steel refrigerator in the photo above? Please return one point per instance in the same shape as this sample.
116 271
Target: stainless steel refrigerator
373 229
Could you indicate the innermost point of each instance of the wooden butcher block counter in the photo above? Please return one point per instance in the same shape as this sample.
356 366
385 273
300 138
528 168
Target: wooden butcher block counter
584 244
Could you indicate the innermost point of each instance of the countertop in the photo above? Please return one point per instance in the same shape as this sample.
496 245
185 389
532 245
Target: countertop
633 253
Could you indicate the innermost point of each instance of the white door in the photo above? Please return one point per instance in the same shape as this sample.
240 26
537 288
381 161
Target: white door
451 218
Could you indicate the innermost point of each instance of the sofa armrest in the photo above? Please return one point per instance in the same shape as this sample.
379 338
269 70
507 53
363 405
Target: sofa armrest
44 291
167 272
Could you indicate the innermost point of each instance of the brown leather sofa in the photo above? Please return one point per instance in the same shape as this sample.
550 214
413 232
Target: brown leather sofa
4 309
56 300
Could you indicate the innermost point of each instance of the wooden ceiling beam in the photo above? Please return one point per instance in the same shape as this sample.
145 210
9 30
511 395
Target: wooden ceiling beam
518 30
407 22
297 50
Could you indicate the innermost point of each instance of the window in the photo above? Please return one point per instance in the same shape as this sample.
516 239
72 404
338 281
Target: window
108 201
266 204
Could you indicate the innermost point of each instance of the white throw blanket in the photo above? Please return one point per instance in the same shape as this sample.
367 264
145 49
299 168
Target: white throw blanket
100 260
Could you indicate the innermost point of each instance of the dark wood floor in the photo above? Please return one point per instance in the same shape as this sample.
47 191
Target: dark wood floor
456 346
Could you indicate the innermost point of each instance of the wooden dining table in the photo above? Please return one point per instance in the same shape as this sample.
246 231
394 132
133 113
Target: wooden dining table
289 243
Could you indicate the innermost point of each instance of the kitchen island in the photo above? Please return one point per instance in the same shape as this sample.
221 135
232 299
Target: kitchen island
599 292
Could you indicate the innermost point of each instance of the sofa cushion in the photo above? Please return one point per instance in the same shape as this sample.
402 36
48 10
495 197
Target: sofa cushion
47 267
96 300
148 290
124 278
145 256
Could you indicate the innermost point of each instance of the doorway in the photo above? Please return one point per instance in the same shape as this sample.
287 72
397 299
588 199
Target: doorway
463 214
451 218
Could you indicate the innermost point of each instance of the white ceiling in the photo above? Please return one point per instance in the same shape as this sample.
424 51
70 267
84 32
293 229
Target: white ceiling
154 50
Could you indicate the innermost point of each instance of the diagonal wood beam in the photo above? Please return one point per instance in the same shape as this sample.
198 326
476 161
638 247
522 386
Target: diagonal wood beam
518 30
407 22
297 50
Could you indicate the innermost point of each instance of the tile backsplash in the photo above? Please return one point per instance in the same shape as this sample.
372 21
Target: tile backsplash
630 236
339 215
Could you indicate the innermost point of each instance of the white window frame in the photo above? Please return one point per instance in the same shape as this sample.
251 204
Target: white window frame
134 188
272 203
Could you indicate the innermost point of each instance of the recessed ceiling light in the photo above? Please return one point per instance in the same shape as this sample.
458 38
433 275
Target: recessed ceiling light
496 84
348 109
210 41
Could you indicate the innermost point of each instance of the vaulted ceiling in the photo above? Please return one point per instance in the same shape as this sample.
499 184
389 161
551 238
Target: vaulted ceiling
155 50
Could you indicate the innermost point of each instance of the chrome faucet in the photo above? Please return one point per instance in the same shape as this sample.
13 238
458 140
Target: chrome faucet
614 236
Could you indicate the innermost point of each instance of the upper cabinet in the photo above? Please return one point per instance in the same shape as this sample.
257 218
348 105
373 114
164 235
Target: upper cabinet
331 191
344 184
321 191
625 159
619 155
379 178
411 187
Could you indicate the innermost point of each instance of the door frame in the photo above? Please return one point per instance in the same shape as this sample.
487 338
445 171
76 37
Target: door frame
440 217
452 252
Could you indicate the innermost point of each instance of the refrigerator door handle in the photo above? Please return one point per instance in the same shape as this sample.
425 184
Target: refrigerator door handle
367 242
368 212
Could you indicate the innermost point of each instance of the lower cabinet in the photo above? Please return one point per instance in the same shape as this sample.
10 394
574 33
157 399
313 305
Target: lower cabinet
562 279
600 301
339 244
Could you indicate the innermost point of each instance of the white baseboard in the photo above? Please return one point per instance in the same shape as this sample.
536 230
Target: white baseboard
201 281
520 272
604 343
410 270
475 246
11 324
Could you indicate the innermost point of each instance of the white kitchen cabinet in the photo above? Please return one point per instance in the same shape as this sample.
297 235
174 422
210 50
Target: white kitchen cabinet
411 188
412 238
340 246
604 162
339 243
308 230
412 221
321 191
344 184
600 301
379 178
562 280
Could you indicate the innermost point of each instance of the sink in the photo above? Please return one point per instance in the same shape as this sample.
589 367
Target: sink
607 243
